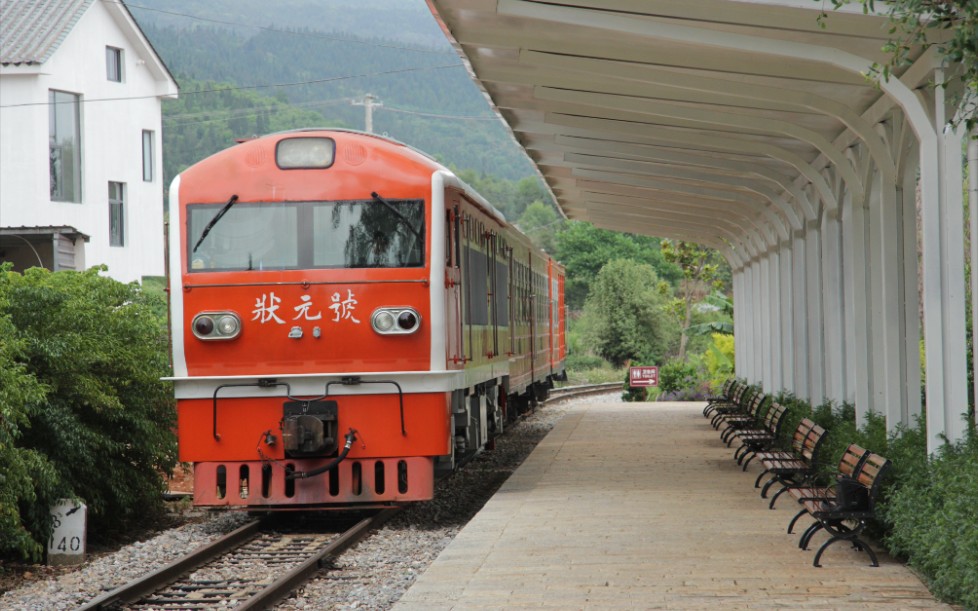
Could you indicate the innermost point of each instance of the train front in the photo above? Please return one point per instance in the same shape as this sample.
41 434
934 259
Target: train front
309 365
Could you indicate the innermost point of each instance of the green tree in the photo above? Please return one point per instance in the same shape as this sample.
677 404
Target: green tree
23 471
540 222
625 314
700 267
723 326
103 431
528 191
584 249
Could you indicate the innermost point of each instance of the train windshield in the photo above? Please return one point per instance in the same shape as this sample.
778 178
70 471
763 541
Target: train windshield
375 233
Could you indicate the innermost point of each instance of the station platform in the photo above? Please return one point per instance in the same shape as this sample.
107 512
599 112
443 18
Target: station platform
641 506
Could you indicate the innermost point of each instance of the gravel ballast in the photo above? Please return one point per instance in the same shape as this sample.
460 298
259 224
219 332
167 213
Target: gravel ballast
373 575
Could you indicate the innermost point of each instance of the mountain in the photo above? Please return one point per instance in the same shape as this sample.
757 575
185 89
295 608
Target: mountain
308 64
406 21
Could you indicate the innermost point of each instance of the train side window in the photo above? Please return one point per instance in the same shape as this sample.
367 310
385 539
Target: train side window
458 237
448 238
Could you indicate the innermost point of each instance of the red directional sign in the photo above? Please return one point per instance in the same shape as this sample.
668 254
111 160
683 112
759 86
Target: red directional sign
643 376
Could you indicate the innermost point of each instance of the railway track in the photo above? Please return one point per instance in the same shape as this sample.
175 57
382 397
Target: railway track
210 577
570 392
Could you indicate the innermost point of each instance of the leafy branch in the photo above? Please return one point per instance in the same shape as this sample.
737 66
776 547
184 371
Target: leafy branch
949 25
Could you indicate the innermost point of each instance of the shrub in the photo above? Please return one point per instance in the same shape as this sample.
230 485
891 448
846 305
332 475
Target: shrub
797 410
102 430
580 362
719 360
932 513
24 473
676 375
700 391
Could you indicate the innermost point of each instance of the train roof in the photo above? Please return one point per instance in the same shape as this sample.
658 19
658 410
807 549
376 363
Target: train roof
474 195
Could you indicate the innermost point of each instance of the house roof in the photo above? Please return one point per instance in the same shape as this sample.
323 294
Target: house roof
32 30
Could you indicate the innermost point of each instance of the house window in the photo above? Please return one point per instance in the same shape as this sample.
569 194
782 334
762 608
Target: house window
113 64
117 214
148 155
64 119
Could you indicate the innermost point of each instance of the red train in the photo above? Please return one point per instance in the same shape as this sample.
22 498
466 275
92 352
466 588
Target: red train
347 318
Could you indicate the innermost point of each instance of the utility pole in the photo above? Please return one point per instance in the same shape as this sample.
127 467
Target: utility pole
369 103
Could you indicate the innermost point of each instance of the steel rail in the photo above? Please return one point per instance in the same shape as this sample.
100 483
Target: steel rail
146 586
151 582
569 392
283 586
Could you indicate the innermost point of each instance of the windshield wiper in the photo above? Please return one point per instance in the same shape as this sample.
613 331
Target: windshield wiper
403 219
214 221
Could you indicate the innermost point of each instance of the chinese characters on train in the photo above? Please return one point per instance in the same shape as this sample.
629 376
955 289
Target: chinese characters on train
268 308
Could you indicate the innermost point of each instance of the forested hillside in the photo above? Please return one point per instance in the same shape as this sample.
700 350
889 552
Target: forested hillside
407 21
272 79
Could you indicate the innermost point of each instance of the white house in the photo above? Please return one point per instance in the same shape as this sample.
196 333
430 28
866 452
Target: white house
81 182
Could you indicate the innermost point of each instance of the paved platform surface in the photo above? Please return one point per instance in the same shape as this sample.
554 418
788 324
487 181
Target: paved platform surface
640 506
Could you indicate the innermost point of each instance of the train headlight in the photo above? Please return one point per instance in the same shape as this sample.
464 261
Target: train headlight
383 321
227 325
216 325
395 321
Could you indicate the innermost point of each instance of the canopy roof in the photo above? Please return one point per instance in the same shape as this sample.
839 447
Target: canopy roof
710 121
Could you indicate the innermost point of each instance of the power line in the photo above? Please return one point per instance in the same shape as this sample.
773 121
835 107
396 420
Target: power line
247 112
440 116
250 113
241 88
282 31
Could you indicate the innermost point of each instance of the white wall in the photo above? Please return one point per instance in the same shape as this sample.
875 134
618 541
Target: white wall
111 146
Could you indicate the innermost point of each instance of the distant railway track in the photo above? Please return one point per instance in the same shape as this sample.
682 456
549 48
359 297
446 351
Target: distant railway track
570 392
208 578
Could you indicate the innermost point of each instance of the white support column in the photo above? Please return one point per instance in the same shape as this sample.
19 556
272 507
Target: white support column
859 366
910 289
799 327
787 339
942 231
740 328
766 334
833 307
774 320
816 323
747 330
973 213
757 364
886 322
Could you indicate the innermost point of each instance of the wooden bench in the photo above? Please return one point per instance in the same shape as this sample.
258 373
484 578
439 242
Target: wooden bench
754 440
850 465
751 417
726 396
737 405
844 521
799 470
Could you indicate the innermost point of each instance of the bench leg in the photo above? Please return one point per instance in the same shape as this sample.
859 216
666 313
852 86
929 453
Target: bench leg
794 520
806 536
740 452
774 499
747 462
841 532
768 485
757 482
